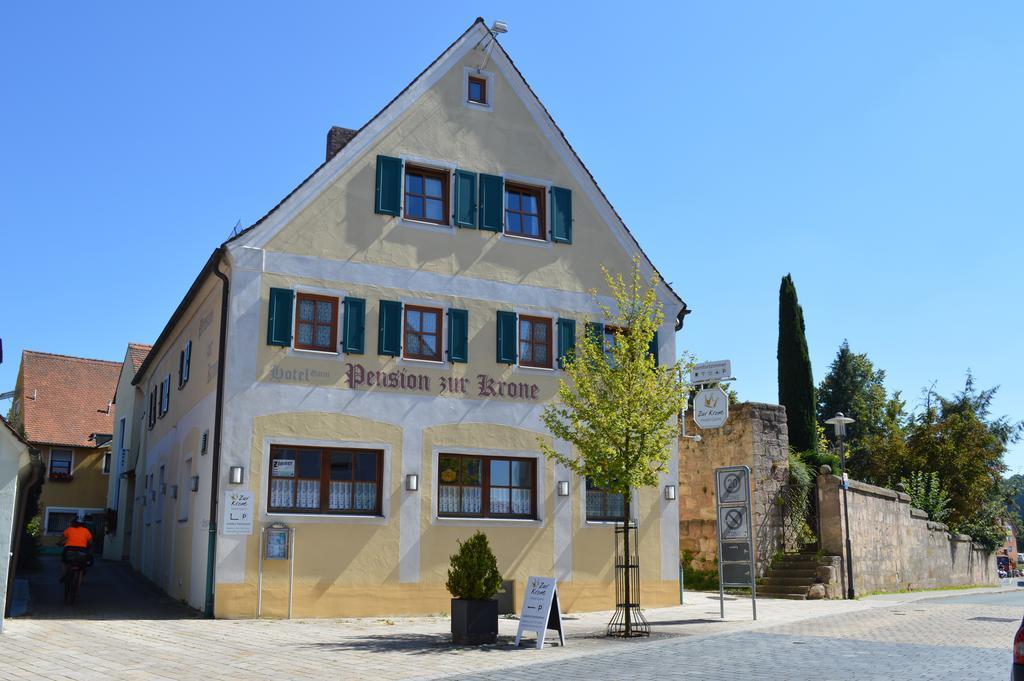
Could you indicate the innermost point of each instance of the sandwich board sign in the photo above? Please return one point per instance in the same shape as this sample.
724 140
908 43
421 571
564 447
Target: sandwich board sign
541 610
736 560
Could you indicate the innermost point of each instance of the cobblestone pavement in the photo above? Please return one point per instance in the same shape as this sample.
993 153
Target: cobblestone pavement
956 638
136 633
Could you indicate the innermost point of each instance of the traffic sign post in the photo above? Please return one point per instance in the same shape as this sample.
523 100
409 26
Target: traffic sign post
736 561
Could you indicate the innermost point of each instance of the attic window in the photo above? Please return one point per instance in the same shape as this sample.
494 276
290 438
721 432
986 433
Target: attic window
477 90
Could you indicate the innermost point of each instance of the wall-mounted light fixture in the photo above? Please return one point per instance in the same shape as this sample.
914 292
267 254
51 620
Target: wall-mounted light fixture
236 475
412 482
563 488
670 492
194 483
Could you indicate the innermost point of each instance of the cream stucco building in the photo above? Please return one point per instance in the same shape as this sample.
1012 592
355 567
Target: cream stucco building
15 472
400 313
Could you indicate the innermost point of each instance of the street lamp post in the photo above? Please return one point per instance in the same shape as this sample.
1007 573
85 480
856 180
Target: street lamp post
838 422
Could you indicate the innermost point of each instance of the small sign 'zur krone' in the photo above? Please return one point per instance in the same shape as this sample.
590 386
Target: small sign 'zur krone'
541 610
710 408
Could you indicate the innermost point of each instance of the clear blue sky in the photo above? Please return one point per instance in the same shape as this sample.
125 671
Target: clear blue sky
873 150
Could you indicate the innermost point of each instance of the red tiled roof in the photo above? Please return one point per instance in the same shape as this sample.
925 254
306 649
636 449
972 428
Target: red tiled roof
138 352
66 399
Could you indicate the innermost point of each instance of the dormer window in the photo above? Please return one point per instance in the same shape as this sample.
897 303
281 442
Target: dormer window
477 90
426 194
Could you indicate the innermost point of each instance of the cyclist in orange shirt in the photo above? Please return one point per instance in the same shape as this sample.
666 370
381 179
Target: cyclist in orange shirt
77 542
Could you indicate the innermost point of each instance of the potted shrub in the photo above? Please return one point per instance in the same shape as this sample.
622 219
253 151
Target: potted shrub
473 579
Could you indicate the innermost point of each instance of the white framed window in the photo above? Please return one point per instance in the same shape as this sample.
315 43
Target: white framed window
62 464
477 89
427 194
59 518
316 322
106 462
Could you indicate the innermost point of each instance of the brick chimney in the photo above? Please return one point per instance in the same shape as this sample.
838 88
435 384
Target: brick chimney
337 138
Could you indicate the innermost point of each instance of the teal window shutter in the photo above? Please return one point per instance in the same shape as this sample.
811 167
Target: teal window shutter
354 328
279 319
561 215
465 198
389 185
507 337
389 328
653 349
492 200
595 331
566 338
458 335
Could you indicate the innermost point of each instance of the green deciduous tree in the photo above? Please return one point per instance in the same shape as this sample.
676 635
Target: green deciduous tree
957 438
881 454
619 408
796 383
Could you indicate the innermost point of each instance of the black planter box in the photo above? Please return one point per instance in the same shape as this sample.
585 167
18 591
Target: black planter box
474 622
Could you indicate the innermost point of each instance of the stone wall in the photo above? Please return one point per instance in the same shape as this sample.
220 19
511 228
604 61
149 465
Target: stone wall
756 436
895 547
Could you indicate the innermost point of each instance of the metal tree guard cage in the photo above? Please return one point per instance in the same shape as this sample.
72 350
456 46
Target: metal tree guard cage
628 620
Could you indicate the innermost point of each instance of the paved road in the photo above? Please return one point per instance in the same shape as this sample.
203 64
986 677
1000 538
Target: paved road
110 590
959 638
123 628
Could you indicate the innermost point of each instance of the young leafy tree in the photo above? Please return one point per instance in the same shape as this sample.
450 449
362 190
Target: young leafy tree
796 383
619 408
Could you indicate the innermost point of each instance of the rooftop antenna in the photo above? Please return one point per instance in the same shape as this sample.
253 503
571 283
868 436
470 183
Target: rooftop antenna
236 229
496 28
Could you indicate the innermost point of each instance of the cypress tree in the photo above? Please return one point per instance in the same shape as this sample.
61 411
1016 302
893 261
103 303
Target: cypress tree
796 385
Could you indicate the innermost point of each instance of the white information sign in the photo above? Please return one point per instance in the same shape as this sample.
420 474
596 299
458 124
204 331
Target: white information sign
732 485
238 512
282 468
711 372
710 408
541 610
733 523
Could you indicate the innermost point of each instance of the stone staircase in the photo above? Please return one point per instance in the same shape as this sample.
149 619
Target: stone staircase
791 577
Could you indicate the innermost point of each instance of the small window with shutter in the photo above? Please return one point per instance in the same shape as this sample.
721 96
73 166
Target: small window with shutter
316 323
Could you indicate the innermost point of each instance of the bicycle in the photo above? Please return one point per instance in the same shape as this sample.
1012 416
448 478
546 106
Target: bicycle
73 580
